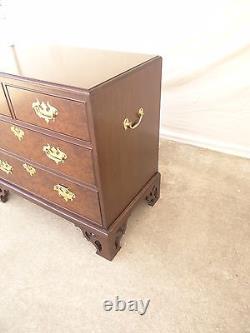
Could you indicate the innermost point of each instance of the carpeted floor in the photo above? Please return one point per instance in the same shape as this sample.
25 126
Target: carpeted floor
190 255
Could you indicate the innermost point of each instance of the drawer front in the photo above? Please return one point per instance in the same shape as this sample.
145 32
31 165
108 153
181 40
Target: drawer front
4 109
72 160
68 195
57 114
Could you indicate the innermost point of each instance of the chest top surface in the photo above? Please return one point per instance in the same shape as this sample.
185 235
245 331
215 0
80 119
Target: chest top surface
69 66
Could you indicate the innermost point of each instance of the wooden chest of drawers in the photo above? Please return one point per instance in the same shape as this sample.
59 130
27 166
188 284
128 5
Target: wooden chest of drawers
79 135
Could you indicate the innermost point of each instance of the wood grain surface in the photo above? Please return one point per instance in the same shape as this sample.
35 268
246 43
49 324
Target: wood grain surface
108 169
85 204
71 118
78 164
127 159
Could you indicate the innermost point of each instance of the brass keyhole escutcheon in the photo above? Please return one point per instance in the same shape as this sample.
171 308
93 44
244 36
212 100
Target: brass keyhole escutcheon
6 167
30 169
18 132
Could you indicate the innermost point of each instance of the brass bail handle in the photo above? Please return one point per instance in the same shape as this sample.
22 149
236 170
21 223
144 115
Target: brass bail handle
129 124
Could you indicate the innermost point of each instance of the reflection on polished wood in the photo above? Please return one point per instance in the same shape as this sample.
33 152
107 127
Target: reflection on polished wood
79 135
60 64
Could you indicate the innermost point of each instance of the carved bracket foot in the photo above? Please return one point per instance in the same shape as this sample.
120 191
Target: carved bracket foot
107 245
3 194
154 193
108 242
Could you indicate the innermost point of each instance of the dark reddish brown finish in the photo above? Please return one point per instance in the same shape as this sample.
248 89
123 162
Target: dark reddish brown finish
3 104
31 147
85 204
134 153
70 120
125 163
69 67
3 195
107 242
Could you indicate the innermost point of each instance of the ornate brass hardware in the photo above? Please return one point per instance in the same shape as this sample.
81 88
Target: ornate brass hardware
64 192
17 132
31 171
55 154
6 167
129 124
45 110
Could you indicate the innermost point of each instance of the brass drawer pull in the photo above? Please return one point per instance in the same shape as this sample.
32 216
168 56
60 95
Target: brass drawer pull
6 167
129 124
45 111
17 132
55 154
31 171
64 192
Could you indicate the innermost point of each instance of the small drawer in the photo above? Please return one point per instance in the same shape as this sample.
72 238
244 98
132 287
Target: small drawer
69 159
55 113
4 109
68 195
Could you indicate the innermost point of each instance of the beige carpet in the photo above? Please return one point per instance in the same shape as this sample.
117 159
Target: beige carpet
189 255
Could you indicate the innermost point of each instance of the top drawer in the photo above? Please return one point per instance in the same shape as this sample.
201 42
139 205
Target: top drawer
55 113
4 109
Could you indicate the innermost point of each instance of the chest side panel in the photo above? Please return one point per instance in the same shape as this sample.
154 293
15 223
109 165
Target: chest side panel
127 158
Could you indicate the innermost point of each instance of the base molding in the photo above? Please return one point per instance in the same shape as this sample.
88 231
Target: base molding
106 241
202 142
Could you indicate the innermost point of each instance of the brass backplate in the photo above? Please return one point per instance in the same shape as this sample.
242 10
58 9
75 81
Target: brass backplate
55 154
64 192
6 167
45 111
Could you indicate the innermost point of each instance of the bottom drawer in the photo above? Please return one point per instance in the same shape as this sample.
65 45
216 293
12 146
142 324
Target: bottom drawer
68 195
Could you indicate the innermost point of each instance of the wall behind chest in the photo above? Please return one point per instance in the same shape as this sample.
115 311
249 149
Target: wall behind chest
205 45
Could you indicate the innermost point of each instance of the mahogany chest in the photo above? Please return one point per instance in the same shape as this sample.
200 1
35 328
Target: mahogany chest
79 134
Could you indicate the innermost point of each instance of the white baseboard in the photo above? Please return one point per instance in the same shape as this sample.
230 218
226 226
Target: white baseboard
193 140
